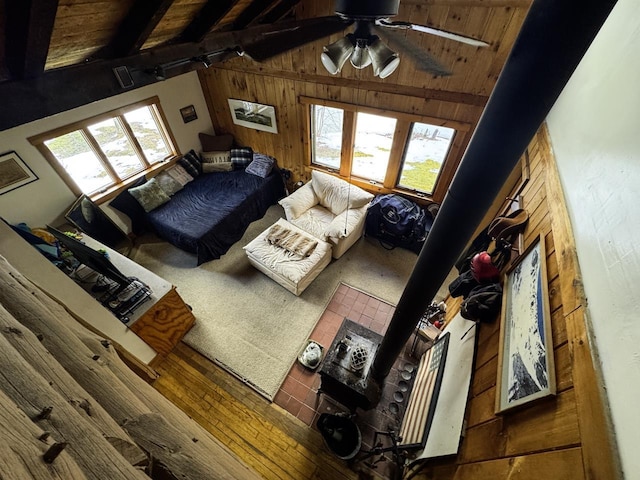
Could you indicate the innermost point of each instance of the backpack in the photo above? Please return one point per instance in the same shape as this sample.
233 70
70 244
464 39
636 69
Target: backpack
397 222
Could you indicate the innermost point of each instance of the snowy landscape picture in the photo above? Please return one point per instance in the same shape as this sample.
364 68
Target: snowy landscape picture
526 369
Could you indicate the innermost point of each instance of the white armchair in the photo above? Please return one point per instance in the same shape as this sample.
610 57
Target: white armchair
330 209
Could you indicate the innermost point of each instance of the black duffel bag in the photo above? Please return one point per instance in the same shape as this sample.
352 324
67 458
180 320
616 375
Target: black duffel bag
398 222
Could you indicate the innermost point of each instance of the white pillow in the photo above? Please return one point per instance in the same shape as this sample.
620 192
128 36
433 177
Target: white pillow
180 174
299 201
336 194
217 167
216 157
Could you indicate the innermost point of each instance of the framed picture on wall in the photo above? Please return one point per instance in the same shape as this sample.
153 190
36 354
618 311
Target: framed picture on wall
526 369
253 115
14 173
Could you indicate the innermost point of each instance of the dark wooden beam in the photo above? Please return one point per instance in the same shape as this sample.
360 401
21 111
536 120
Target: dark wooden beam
136 27
251 13
66 88
279 11
28 27
208 16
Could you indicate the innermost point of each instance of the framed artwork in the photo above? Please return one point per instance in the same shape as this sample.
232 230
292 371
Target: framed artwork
253 115
525 358
188 114
14 173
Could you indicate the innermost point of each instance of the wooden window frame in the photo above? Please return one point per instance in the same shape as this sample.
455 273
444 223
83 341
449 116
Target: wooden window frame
117 114
396 156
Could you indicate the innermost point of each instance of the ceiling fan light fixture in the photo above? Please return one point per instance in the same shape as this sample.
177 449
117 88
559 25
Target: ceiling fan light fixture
335 55
384 60
360 57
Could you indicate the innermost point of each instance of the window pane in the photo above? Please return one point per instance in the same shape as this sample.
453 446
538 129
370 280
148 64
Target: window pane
326 133
79 160
374 136
146 130
425 153
117 147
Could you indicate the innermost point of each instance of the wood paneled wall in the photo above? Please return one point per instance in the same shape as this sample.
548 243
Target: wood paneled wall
560 437
289 145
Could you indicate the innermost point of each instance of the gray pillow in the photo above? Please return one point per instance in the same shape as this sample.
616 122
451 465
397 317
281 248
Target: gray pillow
217 167
169 184
149 195
261 165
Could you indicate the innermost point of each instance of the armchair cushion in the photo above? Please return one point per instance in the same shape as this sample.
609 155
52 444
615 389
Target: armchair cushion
346 223
336 195
299 201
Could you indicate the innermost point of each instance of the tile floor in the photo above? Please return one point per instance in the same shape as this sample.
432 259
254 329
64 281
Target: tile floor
298 393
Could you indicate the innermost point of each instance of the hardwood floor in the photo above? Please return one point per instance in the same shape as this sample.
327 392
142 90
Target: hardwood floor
269 439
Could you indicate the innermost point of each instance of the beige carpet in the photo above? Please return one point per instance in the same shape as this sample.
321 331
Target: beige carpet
249 324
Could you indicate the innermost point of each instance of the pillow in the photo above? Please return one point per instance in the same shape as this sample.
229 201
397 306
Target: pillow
217 167
191 163
261 165
169 184
336 194
179 174
150 195
241 157
216 157
215 143
127 204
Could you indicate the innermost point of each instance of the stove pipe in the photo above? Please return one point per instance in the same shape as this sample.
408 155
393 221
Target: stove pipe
553 39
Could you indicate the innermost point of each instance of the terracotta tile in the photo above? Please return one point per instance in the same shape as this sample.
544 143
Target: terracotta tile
312 399
363 297
333 306
378 327
306 414
359 307
370 310
352 293
365 320
289 385
296 371
385 307
374 302
307 377
300 391
339 297
293 407
342 310
349 301
381 316
342 288
281 399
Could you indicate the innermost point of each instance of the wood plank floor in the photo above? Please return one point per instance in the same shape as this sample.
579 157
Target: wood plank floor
269 439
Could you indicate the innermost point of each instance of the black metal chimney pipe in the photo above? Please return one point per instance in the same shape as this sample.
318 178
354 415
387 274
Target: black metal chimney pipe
553 39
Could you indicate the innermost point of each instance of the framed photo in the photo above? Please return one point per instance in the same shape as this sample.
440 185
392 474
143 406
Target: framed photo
14 173
253 115
188 114
526 369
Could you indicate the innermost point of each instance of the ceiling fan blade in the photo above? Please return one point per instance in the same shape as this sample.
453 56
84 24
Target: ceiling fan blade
432 31
422 60
294 35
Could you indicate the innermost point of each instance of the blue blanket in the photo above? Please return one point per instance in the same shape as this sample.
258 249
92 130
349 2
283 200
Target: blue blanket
212 212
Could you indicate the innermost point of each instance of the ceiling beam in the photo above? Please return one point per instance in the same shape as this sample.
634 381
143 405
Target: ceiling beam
251 13
66 88
279 11
28 27
208 16
135 28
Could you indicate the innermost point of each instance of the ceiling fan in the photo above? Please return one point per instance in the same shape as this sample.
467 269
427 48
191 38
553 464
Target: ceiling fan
374 40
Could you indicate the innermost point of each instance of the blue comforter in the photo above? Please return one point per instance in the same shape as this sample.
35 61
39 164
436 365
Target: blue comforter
212 212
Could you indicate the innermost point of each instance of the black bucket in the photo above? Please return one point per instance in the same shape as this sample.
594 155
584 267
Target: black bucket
341 435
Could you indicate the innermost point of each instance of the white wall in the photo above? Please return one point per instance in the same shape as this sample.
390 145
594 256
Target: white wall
595 132
44 200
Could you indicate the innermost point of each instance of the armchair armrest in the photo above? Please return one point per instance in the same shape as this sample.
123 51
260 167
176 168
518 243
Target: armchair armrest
344 224
299 201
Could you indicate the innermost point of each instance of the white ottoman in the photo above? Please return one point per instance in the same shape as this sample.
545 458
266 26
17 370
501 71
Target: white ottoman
293 272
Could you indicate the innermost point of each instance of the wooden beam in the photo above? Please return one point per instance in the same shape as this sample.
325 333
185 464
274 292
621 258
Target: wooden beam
251 13
430 93
28 27
136 27
208 16
279 11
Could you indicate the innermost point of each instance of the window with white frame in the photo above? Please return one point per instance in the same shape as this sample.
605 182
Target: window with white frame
102 152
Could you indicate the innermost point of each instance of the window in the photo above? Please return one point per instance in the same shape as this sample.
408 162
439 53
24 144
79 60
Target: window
99 154
372 146
393 150
326 132
424 155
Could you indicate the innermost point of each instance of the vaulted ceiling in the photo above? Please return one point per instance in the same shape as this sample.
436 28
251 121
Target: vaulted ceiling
59 54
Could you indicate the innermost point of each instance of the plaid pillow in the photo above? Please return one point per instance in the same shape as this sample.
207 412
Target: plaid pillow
191 163
241 157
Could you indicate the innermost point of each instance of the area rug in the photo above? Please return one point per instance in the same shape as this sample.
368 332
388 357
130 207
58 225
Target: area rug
249 324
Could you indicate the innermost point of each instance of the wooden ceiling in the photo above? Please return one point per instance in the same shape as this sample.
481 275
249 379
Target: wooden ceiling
59 54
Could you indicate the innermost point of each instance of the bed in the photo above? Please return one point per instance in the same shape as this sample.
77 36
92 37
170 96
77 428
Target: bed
213 211
209 214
